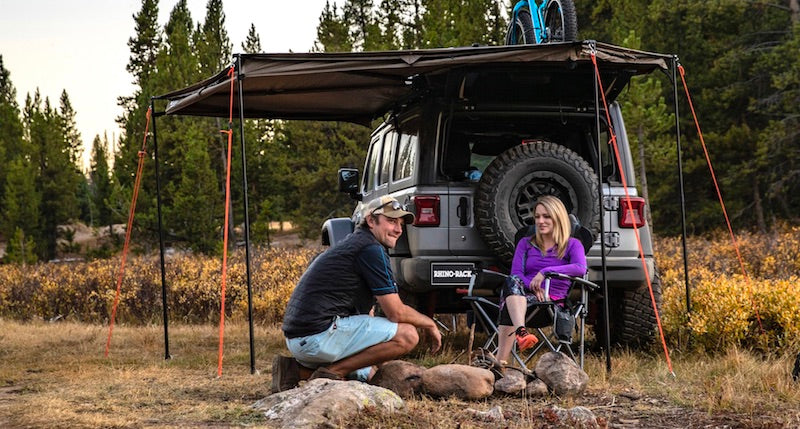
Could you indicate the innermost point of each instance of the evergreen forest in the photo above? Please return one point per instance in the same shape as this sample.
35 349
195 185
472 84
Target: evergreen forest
742 62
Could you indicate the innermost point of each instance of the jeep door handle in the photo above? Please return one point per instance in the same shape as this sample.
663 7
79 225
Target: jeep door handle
463 211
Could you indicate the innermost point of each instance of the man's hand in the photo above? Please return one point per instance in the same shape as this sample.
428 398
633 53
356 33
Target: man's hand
398 312
435 337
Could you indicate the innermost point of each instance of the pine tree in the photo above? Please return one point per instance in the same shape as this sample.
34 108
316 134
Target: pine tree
412 23
358 15
10 124
196 199
21 200
57 176
214 53
101 182
69 129
314 152
212 42
20 249
777 155
252 44
333 34
391 24
144 48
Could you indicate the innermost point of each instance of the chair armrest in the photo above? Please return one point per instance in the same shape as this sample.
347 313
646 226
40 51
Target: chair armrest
589 285
474 276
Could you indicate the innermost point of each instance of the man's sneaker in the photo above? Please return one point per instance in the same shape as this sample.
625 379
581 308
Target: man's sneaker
285 373
525 340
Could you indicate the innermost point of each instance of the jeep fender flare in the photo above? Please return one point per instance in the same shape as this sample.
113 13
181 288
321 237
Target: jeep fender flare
335 230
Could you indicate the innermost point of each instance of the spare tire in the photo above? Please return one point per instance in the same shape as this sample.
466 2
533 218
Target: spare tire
512 182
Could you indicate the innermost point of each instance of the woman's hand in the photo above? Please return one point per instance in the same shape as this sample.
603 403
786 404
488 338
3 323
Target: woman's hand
536 286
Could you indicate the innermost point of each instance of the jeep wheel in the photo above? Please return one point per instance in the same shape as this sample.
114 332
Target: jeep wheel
633 322
510 185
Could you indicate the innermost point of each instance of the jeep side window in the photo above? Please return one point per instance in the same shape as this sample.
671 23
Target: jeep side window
406 151
386 160
371 167
607 156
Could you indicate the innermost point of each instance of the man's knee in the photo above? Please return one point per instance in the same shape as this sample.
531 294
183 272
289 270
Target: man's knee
406 336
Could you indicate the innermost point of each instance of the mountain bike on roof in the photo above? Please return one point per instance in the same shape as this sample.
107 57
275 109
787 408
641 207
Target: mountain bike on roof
550 21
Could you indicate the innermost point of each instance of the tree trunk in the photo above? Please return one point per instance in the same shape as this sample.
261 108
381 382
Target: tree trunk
643 175
794 7
762 225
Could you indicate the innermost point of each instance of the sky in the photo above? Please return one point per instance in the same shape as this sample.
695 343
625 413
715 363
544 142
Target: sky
81 46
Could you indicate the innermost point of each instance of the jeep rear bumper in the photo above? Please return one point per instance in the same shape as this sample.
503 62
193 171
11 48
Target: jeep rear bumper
414 274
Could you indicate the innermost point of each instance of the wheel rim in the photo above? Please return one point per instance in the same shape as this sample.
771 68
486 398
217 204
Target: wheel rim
555 23
533 186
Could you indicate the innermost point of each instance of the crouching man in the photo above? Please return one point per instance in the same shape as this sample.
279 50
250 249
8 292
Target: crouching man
328 325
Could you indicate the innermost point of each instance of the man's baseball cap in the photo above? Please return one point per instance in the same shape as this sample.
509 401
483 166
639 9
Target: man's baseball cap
389 207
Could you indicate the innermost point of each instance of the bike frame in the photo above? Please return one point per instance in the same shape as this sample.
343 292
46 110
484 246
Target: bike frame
537 16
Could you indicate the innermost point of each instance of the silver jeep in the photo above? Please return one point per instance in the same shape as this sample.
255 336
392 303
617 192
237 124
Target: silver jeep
471 152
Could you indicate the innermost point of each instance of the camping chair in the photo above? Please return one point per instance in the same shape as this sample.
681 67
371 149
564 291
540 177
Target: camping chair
486 309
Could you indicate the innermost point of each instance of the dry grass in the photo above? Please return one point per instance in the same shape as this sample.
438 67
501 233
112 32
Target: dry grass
55 375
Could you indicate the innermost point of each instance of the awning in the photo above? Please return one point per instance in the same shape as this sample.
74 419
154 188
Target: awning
360 86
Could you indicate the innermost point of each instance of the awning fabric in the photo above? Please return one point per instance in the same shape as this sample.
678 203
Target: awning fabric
360 86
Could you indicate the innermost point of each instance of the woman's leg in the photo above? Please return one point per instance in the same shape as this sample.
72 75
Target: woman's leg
516 305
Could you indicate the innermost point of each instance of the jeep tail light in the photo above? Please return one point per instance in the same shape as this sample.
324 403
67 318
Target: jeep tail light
426 210
633 214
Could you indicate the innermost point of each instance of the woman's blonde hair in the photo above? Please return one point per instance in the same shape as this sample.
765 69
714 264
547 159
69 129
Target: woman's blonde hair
561 224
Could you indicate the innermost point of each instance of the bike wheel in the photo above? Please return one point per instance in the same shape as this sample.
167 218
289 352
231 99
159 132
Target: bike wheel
560 21
520 29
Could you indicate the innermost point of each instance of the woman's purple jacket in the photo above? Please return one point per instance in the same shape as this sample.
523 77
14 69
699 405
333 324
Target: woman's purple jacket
526 267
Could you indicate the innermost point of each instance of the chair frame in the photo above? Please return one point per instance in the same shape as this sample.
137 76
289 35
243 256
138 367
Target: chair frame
578 310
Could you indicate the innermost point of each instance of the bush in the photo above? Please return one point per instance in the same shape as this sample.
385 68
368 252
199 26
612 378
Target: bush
758 312
84 291
725 307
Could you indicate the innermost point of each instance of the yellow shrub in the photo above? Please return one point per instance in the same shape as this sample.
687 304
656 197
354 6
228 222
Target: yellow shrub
726 307
85 291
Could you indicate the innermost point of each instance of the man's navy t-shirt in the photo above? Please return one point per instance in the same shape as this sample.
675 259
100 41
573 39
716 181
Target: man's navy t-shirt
343 281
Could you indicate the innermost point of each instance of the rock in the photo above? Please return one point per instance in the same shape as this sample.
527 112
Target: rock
561 374
324 403
494 415
512 383
461 381
631 394
403 378
536 389
575 417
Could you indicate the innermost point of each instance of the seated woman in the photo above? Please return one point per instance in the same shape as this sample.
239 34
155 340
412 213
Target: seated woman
550 249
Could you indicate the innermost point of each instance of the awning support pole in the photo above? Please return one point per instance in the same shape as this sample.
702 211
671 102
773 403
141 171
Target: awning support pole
160 237
246 214
680 187
599 168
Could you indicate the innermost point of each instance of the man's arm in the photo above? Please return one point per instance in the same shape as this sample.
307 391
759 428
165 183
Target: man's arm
397 312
